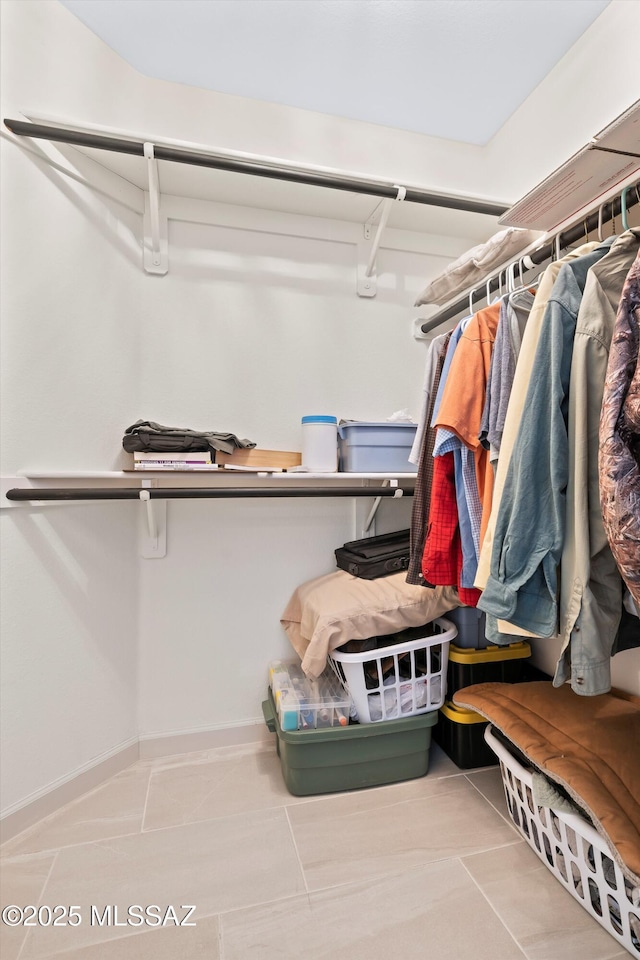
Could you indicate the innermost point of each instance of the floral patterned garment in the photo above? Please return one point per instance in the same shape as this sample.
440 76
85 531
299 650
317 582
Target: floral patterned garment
619 455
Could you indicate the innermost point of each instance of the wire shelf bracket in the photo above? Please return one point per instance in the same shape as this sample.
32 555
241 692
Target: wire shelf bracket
367 278
156 250
152 526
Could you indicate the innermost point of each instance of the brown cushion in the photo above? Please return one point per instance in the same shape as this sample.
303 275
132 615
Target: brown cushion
588 745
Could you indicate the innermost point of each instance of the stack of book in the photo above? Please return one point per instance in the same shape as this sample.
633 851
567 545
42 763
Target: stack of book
190 460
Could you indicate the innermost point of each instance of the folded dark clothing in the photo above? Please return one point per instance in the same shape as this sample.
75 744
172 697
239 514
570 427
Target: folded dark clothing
147 435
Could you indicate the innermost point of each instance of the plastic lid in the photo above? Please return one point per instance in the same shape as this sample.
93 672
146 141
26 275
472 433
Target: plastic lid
458 714
490 654
320 420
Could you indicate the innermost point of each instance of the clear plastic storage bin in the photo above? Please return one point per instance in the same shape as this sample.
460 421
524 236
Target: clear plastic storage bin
402 679
304 704
573 851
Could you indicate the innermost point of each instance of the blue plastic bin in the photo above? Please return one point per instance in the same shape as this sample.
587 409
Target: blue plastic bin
376 447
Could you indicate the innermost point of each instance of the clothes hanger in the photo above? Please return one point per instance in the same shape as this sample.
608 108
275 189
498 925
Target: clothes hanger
471 293
556 247
623 209
510 276
533 283
600 213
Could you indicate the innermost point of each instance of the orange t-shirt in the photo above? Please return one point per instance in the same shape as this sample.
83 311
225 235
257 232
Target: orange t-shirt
464 395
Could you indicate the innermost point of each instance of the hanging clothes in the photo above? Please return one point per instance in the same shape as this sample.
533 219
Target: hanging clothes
429 389
517 398
619 459
523 582
467 499
424 480
591 588
460 464
445 557
466 487
514 314
464 396
442 559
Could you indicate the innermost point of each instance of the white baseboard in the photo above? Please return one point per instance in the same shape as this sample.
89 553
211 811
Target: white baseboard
50 799
168 744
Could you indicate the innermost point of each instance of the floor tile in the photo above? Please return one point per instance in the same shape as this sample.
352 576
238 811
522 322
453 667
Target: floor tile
111 810
366 834
542 916
162 943
364 799
407 916
489 783
222 832
21 883
216 865
215 787
231 752
440 765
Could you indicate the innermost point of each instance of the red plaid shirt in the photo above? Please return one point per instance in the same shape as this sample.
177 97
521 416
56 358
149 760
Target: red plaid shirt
442 557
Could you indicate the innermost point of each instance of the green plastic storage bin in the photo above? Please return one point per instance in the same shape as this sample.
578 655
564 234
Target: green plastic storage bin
333 759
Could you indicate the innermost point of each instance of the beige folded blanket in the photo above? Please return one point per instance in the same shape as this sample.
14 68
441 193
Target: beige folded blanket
326 612
588 745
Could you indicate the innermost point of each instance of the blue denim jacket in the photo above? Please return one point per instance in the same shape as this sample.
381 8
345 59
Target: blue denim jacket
523 583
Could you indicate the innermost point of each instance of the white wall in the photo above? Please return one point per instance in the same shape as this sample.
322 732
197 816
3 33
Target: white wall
625 666
70 575
246 333
589 87
68 666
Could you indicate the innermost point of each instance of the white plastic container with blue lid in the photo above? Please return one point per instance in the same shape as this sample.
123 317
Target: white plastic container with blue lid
320 444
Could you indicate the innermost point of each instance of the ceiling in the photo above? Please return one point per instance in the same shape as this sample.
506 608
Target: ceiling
446 68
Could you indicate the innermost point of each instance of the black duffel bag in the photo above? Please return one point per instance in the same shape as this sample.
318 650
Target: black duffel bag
374 557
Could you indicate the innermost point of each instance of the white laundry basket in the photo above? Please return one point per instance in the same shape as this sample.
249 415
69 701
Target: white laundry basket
574 852
400 680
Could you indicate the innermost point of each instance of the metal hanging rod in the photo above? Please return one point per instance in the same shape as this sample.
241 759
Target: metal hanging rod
200 493
563 240
352 184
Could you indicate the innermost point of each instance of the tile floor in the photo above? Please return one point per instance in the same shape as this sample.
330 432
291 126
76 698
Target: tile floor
430 868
